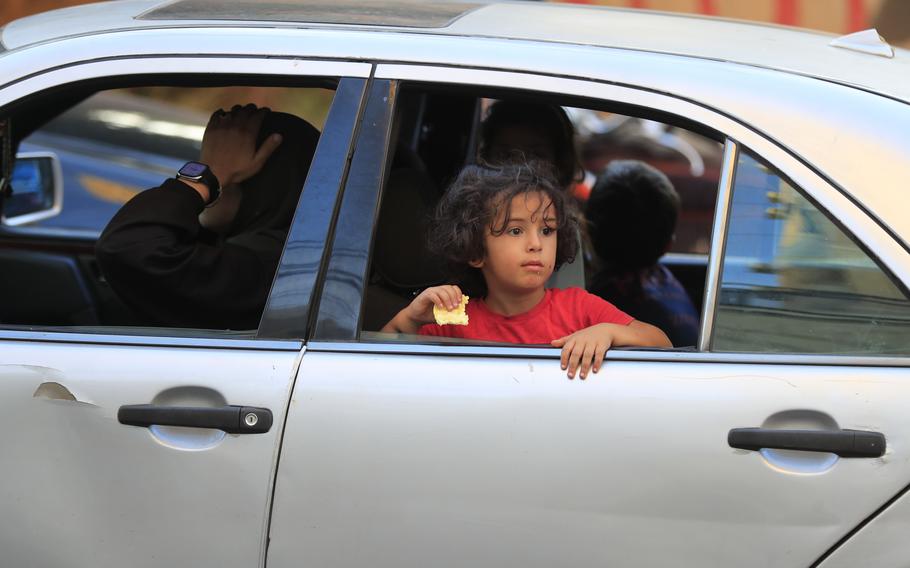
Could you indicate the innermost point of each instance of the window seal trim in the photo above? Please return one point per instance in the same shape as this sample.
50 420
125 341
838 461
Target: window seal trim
718 244
7 335
641 355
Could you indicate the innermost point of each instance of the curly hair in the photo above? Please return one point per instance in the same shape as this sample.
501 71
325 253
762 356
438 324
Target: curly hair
474 202
550 120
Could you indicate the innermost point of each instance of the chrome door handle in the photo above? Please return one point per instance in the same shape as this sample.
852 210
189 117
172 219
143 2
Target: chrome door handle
845 443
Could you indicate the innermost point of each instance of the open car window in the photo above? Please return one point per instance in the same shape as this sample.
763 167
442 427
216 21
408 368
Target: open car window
113 145
433 136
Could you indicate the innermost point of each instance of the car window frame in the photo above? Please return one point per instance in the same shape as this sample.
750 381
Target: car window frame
338 317
121 71
834 199
292 298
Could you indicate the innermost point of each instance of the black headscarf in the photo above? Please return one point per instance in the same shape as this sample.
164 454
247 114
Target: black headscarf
173 272
270 197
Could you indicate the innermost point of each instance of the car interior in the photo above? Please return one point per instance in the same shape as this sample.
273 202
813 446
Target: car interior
436 132
112 141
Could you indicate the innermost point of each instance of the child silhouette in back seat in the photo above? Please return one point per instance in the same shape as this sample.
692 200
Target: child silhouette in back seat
632 214
503 231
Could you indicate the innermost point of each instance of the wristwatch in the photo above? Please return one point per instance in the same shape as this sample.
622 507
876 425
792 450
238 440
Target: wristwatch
199 172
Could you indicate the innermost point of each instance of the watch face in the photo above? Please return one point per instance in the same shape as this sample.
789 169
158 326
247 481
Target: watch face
192 169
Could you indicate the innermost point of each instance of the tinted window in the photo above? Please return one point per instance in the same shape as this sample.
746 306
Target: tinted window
794 282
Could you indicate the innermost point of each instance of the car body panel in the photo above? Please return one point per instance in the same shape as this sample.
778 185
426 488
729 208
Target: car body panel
405 459
881 542
81 484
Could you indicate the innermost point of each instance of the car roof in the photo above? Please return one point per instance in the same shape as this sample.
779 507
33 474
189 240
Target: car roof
786 49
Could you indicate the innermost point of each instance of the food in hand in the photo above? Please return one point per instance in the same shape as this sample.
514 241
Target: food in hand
452 317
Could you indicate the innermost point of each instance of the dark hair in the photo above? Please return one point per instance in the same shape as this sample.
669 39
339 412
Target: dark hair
475 199
631 214
551 121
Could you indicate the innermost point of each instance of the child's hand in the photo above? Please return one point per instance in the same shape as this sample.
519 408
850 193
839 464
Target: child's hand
584 349
420 310
447 297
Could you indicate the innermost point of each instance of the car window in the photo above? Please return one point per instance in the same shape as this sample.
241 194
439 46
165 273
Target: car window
793 281
435 135
111 146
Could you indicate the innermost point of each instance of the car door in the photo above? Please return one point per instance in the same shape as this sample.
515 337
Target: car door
399 451
139 446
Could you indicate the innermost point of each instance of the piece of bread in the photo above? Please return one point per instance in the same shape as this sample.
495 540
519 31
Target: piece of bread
452 317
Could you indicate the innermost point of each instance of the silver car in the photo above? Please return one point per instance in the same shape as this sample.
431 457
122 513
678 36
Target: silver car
780 438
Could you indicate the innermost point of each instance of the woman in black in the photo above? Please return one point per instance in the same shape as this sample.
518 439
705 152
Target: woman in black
178 260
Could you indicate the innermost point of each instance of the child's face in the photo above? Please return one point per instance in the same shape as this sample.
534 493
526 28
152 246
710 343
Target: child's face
522 257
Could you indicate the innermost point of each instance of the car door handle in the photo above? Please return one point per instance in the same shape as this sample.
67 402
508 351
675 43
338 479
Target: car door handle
845 443
231 419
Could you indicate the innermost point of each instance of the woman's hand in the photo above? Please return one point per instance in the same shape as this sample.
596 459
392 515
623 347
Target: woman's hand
229 144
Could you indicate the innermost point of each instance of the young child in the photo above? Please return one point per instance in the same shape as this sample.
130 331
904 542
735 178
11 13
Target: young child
504 231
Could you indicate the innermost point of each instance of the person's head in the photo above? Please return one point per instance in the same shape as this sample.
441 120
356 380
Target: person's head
518 131
507 227
267 200
632 214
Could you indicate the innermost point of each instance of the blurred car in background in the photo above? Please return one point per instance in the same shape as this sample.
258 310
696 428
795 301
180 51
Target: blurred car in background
111 146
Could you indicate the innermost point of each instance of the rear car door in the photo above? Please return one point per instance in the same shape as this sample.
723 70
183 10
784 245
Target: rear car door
140 446
399 451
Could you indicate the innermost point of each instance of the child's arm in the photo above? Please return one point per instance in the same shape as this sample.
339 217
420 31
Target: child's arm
586 348
420 310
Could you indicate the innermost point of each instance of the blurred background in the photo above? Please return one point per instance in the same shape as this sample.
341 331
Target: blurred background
890 17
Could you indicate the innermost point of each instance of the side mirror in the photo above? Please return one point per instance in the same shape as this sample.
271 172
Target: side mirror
37 182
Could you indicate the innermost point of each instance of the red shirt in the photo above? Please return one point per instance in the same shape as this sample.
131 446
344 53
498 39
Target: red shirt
560 313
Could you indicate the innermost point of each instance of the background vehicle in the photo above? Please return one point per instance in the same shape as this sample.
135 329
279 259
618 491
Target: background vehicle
112 146
394 450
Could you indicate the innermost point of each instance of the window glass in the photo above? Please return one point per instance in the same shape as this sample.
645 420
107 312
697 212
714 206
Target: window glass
794 282
112 146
